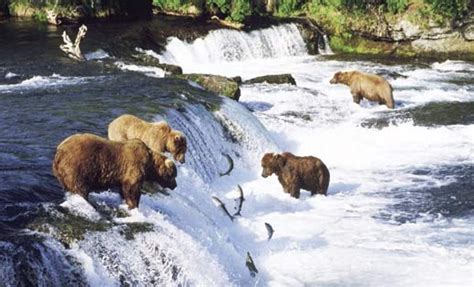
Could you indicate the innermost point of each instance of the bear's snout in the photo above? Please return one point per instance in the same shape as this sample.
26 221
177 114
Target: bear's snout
180 158
172 185
333 81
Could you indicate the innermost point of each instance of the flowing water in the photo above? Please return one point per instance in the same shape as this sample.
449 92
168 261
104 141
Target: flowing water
400 206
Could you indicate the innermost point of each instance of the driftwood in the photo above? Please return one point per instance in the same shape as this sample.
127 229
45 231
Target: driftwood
240 201
73 50
53 18
221 205
231 165
230 24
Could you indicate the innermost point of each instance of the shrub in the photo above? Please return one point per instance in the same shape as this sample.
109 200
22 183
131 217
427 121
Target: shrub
452 8
288 7
396 6
240 9
223 5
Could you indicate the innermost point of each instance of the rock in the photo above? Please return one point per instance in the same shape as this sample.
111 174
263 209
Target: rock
129 230
172 69
273 79
445 43
146 59
405 30
468 32
217 84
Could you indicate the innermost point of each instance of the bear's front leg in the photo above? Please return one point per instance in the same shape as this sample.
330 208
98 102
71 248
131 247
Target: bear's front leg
131 194
294 190
356 97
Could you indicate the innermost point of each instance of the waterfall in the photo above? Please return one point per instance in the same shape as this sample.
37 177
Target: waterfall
325 49
229 46
230 130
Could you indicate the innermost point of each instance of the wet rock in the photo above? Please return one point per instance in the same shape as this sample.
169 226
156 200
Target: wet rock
432 114
129 230
65 226
146 59
273 79
218 84
172 69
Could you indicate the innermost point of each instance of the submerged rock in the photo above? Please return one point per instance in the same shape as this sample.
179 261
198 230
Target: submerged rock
129 230
432 114
273 79
218 84
171 69
147 60
65 226
68 228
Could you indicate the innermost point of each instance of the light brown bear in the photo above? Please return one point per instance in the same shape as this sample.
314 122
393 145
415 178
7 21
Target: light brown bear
84 163
158 136
295 173
364 85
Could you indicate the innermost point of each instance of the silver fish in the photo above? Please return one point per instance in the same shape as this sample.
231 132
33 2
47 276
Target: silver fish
240 201
269 230
231 165
250 265
221 205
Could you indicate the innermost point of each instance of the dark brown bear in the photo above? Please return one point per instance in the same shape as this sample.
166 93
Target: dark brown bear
84 163
366 86
295 173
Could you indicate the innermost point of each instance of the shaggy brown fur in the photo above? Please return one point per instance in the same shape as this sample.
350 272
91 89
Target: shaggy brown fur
84 163
157 136
295 173
369 86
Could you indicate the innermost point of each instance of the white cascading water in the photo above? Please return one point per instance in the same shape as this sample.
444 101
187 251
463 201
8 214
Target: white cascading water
232 46
338 240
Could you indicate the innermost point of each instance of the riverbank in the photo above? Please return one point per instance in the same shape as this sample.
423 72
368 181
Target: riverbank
414 29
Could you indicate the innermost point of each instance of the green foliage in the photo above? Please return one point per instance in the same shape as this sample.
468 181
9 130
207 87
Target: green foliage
240 9
288 7
223 5
396 6
452 8
171 5
328 15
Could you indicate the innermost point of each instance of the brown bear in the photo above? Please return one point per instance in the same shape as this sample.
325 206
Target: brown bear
364 85
295 173
158 136
85 162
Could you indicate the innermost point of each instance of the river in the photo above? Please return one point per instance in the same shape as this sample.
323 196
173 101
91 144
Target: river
400 205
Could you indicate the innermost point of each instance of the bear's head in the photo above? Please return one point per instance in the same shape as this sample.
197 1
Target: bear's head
176 145
272 163
165 171
339 77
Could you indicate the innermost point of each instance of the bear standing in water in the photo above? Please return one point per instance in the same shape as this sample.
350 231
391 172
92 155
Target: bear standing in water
84 163
295 173
366 86
159 137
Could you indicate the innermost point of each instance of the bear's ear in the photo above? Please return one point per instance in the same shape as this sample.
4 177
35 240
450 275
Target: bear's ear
179 139
279 160
169 163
